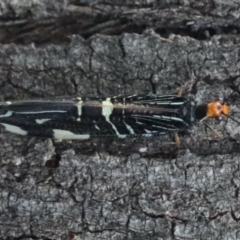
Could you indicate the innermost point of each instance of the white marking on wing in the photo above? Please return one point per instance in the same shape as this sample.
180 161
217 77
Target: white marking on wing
161 117
7 114
129 128
147 135
64 134
167 118
148 118
177 119
107 107
157 126
149 132
96 126
14 129
37 112
106 112
153 121
41 121
79 106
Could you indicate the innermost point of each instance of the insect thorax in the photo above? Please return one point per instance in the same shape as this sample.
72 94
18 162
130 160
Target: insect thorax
188 112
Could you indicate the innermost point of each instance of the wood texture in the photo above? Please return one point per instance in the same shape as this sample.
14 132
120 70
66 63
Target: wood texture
120 189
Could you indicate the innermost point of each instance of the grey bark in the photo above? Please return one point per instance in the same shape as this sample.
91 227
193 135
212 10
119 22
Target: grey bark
120 189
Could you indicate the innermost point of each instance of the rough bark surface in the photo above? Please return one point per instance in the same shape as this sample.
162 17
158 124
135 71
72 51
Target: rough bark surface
121 189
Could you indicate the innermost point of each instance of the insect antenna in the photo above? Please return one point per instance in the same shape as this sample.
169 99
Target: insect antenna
225 100
213 131
209 127
232 118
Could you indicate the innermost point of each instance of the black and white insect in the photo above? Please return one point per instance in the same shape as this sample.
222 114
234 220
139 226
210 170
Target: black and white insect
118 116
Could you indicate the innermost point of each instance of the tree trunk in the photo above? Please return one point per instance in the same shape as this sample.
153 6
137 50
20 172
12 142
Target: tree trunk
121 189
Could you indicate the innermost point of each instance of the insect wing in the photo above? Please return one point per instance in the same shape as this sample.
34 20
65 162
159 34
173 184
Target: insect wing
30 117
83 118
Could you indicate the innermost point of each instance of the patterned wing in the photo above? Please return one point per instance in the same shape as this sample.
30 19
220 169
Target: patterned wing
83 118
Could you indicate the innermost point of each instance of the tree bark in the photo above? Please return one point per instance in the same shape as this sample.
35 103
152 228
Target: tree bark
121 189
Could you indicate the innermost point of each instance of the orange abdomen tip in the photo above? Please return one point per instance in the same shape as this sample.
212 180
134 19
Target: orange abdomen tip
217 109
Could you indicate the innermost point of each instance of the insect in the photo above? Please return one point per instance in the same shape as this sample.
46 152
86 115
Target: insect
118 116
